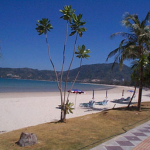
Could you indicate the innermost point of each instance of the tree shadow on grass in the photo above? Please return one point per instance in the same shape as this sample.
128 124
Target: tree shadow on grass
122 101
133 108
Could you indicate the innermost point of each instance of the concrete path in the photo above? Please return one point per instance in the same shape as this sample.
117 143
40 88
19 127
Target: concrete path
135 139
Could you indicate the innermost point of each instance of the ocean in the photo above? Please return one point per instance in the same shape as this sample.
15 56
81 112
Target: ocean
19 85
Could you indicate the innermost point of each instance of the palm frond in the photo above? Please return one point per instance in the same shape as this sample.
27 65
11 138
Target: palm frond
134 64
135 45
82 52
125 35
112 53
128 17
147 19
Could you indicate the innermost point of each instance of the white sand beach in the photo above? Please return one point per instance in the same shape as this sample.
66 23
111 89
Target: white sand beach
19 110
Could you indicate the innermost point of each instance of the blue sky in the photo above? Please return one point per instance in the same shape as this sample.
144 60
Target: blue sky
22 46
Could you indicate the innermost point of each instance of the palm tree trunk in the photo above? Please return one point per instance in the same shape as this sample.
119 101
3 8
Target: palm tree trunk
70 66
60 89
63 101
63 109
141 78
52 62
131 98
75 78
140 87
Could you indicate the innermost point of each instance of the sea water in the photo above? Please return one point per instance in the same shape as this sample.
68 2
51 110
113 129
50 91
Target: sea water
20 85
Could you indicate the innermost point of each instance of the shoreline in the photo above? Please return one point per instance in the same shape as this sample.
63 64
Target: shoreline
47 93
20 110
25 85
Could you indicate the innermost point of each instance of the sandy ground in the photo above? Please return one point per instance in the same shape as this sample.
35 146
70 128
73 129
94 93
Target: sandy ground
19 110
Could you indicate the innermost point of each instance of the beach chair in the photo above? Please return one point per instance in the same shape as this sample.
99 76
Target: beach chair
127 99
104 102
91 104
84 104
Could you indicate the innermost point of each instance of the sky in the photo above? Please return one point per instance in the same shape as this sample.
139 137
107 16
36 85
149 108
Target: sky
21 46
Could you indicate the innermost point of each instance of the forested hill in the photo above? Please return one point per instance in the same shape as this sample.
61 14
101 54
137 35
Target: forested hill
89 73
102 73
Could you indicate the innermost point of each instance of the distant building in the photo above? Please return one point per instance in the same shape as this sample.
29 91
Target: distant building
12 76
95 80
86 80
115 80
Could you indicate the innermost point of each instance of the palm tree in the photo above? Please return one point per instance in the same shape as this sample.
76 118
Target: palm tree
67 15
134 45
76 24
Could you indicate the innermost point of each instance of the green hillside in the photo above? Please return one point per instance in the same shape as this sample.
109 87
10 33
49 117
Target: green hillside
102 73
98 73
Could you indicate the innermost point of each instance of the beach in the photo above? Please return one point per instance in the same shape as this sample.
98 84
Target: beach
23 109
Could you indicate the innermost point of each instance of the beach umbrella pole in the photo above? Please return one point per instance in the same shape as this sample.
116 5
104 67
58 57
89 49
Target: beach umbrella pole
122 93
106 94
76 91
75 101
93 94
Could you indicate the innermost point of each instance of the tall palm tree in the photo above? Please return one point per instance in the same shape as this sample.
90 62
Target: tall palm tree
134 45
67 15
76 25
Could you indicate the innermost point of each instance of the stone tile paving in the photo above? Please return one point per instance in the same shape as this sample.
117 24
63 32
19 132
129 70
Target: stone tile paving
137 139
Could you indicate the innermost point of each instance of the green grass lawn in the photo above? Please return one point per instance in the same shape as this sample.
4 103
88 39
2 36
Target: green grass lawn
79 133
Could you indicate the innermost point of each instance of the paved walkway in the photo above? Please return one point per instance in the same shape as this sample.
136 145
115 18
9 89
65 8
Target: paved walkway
135 139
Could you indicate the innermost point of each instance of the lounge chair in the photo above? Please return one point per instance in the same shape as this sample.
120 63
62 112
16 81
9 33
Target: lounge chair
91 104
127 99
104 102
84 105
